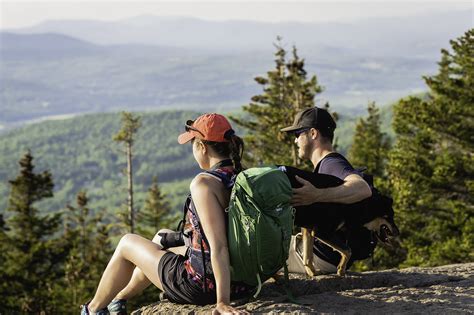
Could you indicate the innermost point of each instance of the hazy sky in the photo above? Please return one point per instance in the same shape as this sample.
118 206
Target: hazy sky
18 13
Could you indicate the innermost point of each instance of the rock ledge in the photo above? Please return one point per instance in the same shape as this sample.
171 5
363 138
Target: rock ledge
439 290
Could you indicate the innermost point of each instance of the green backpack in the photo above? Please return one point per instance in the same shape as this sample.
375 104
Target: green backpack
260 225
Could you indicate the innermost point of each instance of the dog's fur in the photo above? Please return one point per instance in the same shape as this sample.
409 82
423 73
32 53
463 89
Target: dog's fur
323 220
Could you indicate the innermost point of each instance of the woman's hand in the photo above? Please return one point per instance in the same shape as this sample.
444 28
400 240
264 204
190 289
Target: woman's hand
222 308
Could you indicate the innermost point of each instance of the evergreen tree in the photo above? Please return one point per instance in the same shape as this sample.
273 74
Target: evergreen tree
156 212
89 251
35 257
431 166
286 91
369 149
126 135
155 215
4 248
370 145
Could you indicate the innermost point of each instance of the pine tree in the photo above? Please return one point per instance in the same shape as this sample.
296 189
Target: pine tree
155 215
156 212
126 135
286 91
35 257
4 249
370 145
431 166
89 251
369 149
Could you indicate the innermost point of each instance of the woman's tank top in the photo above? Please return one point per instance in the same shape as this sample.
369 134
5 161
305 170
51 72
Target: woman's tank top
198 264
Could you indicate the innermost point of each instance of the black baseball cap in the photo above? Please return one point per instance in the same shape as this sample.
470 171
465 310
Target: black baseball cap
314 117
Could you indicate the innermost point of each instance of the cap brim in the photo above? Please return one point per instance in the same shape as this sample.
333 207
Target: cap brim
291 128
185 137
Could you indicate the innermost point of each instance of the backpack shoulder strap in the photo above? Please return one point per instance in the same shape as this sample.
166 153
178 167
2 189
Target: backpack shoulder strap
185 212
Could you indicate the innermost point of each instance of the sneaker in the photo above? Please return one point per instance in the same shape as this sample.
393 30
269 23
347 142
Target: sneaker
118 307
85 311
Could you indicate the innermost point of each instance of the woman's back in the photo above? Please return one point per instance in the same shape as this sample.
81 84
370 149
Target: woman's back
214 185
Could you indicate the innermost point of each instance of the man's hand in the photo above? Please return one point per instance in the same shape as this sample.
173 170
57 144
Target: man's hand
305 195
222 308
354 189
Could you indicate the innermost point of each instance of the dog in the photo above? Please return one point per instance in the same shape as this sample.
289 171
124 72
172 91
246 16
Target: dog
323 220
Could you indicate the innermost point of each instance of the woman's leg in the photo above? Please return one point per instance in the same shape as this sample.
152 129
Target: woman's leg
139 281
132 250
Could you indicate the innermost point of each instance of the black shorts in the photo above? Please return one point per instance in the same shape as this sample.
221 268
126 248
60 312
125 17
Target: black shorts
178 286
181 288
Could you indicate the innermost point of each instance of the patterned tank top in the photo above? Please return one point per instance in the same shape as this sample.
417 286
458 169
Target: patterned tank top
198 263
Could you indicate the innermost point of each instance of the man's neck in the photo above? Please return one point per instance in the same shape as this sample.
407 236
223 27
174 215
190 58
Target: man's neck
319 153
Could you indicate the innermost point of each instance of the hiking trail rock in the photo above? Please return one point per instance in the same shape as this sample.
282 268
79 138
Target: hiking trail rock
439 290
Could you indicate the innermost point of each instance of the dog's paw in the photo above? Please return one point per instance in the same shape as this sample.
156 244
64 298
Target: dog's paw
341 272
310 272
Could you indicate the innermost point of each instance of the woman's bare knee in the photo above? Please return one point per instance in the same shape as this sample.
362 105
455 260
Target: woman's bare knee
127 241
132 246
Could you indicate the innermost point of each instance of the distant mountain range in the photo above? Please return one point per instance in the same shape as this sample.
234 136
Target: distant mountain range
418 36
148 62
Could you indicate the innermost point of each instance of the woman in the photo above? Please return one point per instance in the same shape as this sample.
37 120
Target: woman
198 274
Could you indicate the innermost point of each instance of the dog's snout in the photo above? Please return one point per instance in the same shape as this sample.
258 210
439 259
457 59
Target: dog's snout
395 231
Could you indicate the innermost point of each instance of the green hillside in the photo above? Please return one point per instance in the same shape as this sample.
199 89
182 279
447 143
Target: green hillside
80 154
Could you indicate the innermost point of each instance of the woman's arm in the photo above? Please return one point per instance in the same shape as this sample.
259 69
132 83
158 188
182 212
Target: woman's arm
211 214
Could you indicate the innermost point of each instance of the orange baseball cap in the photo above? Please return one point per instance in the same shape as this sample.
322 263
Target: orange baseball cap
210 127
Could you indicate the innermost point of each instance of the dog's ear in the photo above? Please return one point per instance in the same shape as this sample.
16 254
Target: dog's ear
388 204
381 204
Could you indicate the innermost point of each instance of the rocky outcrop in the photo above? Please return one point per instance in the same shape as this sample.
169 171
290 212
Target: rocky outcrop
440 290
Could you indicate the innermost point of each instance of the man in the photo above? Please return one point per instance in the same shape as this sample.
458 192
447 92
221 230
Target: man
314 132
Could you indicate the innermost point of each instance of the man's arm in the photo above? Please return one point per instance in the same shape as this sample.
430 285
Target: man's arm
354 189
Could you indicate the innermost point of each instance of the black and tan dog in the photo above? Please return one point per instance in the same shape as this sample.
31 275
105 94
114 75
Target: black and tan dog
323 220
